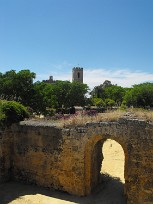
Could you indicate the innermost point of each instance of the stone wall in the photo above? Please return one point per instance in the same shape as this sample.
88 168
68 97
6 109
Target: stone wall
49 157
6 152
70 159
136 139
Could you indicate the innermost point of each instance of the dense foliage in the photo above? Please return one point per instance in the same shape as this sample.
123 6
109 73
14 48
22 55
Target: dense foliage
58 95
41 97
17 86
140 95
12 112
108 95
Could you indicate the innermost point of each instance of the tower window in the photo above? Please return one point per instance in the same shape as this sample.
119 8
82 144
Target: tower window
78 74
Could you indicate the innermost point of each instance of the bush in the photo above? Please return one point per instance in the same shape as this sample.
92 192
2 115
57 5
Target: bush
123 106
50 112
12 112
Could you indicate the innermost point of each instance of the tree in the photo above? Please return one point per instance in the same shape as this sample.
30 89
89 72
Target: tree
140 95
61 92
98 91
57 95
109 91
98 102
109 103
24 86
7 87
77 94
38 101
17 86
115 93
69 94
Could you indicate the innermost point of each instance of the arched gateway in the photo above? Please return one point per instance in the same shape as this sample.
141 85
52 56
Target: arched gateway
94 158
69 158
136 139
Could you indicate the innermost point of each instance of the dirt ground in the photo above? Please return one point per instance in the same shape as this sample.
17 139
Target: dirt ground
113 163
109 191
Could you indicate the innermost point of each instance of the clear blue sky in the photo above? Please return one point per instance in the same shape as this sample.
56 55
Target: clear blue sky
111 39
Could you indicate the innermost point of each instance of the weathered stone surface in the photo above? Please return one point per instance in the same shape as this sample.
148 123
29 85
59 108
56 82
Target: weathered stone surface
70 159
6 150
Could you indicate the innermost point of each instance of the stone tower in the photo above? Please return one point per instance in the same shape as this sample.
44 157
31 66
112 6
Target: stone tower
77 74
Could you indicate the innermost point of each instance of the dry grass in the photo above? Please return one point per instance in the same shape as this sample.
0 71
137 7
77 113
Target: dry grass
81 119
146 115
111 116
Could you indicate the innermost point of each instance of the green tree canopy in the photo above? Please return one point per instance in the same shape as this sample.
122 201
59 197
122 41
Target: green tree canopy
98 102
116 93
61 91
109 102
98 91
109 91
70 94
57 95
140 95
17 86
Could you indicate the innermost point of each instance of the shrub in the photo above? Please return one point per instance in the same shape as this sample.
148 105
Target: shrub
12 112
50 112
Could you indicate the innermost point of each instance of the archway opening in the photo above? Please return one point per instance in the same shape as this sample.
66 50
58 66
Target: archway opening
113 160
106 173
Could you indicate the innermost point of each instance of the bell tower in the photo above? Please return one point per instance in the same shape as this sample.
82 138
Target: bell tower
77 74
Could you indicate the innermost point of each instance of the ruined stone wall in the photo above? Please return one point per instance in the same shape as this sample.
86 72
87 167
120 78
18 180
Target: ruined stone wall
136 139
70 159
49 157
6 150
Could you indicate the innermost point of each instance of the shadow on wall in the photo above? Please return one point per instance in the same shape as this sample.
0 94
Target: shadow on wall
110 190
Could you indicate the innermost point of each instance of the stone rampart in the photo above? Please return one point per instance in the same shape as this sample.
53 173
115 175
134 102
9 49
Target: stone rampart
70 159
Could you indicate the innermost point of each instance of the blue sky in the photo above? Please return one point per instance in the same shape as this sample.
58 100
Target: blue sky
110 39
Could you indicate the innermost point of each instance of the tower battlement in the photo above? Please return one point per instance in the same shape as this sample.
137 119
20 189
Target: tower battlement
77 68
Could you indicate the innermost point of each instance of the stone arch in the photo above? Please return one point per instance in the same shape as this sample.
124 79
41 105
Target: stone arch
92 150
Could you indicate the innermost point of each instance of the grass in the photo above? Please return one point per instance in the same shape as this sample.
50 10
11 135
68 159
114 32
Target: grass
146 115
80 119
